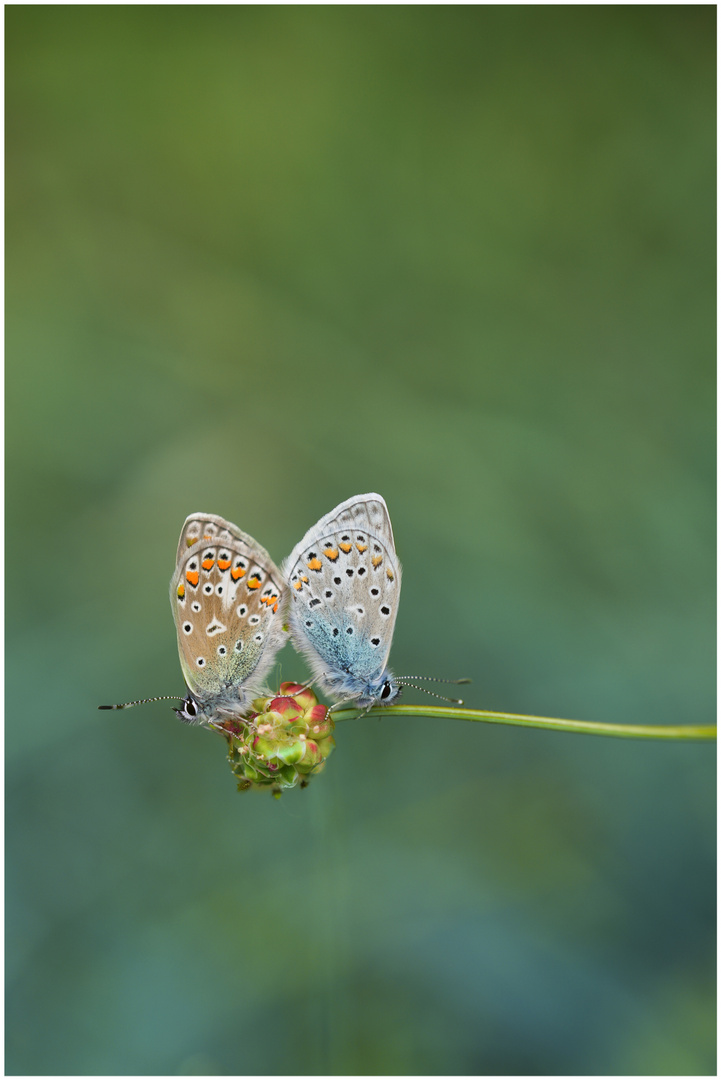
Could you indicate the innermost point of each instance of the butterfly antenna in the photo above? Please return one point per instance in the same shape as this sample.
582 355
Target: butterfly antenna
432 678
144 701
414 686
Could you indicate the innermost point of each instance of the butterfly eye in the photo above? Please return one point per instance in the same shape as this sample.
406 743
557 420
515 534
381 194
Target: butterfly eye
386 691
190 708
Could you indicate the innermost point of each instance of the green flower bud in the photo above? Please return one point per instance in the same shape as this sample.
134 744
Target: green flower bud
285 709
290 752
284 740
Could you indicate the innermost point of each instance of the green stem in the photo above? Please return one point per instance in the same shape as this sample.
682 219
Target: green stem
586 727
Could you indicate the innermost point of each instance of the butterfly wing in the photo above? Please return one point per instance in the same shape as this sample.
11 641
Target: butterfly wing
344 583
227 597
210 527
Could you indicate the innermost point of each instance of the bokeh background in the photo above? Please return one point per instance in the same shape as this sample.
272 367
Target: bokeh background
260 259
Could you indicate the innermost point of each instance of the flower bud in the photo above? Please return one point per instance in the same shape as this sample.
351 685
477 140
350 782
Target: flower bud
282 742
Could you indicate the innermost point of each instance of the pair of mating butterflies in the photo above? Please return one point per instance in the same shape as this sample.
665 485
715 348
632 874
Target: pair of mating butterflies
337 591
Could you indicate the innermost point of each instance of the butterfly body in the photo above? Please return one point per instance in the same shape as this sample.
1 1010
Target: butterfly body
228 598
343 581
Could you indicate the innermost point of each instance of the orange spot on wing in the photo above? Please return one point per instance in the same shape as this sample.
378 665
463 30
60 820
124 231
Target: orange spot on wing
223 564
389 574
345 547
304 578
298 585
331 553
362 547
315 564
190 540
237 573
377 560
254 582
181 592
275 606
192 576
208 564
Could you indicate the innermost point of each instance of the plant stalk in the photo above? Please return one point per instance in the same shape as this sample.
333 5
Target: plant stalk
584 727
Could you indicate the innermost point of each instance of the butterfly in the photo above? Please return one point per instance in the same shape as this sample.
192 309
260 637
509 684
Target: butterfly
344 583
228 597
339 588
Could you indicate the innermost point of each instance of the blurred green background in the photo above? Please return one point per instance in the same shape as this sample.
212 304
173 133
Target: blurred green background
260 259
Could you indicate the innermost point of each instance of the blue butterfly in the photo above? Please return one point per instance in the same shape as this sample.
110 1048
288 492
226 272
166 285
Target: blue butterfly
344 584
